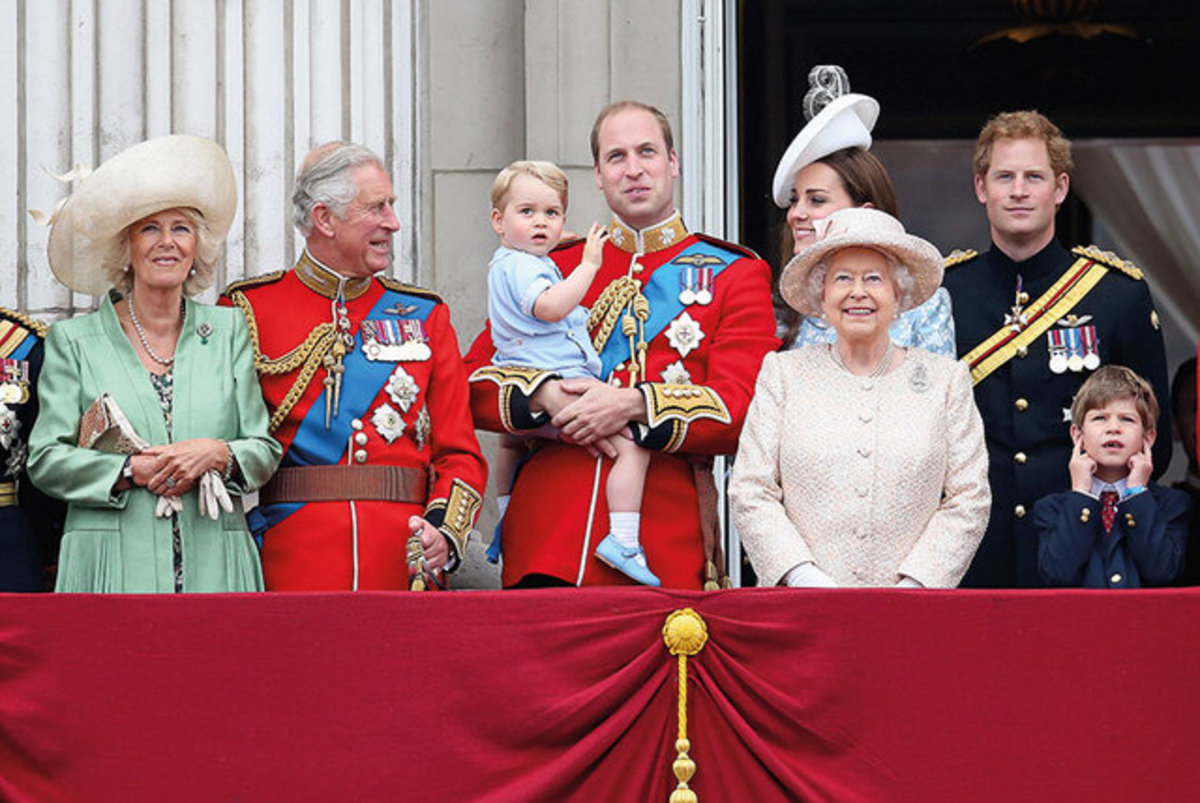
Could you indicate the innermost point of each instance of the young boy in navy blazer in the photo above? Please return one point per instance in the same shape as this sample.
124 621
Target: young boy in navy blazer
1114 528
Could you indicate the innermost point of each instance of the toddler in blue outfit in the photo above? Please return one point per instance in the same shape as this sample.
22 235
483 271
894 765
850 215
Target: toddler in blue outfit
537 322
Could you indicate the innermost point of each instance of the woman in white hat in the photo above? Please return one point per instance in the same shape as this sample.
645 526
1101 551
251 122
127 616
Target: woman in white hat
861 463
149 224
828 167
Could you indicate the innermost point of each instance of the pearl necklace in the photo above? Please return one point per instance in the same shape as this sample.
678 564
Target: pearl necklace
879 370
141 333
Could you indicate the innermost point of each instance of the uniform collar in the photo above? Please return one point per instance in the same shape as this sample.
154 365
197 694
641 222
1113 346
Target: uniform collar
653 238
1050 261
324 280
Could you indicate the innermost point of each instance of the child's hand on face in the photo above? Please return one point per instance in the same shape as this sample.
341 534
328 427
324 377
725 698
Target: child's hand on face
1082 466
593 250
1140 467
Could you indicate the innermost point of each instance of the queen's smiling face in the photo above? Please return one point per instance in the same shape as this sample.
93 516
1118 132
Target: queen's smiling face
860 297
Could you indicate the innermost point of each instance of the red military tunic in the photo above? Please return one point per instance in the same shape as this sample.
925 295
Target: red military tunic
703 309
402 401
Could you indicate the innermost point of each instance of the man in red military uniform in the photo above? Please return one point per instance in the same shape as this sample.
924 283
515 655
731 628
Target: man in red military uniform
681 322
367 393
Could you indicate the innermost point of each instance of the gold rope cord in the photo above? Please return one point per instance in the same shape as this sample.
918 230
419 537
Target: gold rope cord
608 309
684 633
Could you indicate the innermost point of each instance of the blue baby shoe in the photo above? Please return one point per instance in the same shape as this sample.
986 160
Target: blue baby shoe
630 561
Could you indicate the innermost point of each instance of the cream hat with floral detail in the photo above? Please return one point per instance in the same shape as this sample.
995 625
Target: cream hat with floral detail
168 172
862 227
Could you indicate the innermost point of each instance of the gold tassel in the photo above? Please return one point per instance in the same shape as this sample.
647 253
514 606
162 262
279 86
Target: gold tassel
684 633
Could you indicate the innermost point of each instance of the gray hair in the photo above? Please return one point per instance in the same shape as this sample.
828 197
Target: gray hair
326 178
117 262
902 280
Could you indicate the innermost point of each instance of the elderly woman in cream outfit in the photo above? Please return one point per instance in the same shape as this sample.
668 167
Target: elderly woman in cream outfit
149 224
861 463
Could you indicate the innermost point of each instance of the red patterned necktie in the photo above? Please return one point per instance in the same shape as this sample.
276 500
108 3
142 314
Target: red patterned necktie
1108 510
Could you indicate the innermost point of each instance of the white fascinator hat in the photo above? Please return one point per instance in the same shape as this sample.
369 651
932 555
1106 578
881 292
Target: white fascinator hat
837 119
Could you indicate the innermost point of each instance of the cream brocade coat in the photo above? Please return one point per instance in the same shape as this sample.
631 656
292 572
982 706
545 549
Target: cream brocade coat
869 478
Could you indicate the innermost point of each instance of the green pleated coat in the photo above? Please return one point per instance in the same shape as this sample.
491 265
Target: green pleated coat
112 542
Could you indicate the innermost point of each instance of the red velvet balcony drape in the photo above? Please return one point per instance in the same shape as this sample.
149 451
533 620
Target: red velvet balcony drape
570 695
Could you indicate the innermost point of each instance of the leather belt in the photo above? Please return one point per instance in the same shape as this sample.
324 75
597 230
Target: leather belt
344 483
8 494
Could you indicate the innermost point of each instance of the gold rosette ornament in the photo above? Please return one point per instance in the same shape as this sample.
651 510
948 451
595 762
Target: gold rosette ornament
684 633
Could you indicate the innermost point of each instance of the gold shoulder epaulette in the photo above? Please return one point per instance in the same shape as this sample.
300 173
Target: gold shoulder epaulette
32 324
255 281
400 287
958 256
1109 259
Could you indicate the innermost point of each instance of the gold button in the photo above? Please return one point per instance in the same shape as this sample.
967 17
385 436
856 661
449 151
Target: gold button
356 424
1116 578
1020 458
1022 298
360 456
1019 511
360 438
1022 352
1084 515
1021 404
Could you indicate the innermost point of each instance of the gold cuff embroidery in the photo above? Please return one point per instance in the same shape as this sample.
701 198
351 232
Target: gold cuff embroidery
680 405
461 508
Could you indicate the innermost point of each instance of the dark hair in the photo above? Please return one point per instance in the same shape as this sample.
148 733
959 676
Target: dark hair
866 181
664 124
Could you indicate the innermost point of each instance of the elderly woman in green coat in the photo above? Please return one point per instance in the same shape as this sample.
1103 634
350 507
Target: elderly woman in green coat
149 224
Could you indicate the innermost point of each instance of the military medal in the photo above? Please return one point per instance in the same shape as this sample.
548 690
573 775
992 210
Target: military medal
676 374
9 425
395 341
1091 348
402 388
387 422
1058 351
1016 320
684 334
1074 350
695 286
14 381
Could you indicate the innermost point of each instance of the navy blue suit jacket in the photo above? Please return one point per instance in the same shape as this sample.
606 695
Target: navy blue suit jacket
1146 546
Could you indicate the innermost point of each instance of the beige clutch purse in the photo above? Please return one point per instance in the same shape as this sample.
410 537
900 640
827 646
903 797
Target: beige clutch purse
105 428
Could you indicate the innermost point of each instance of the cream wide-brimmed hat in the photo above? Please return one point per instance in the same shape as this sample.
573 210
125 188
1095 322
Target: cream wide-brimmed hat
179 170
862 227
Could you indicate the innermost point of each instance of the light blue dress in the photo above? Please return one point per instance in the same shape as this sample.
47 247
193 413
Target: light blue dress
929 326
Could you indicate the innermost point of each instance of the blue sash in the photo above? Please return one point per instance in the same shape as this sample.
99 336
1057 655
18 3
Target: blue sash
361 383
662 291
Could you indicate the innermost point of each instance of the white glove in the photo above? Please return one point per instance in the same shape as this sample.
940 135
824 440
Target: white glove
909 582
168 505
212 495
807 575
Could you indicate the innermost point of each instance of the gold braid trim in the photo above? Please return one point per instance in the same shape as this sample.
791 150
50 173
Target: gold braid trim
609 308
34 325
307 356
1110 259
526 379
